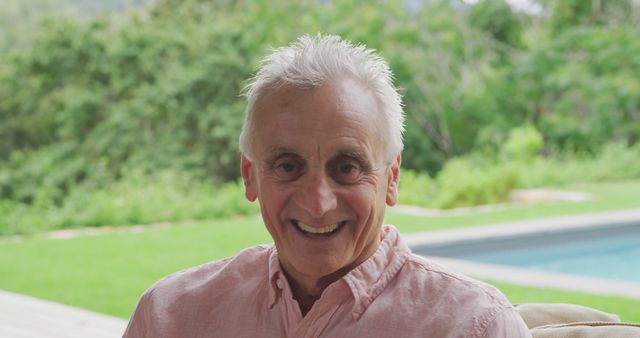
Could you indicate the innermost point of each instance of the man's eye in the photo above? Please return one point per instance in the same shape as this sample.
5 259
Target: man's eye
347 168
288 167
347 173
288 170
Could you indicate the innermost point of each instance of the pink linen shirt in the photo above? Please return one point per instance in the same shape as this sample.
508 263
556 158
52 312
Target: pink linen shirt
394 293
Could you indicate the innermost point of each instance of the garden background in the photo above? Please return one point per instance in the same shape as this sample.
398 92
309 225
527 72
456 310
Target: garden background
117 113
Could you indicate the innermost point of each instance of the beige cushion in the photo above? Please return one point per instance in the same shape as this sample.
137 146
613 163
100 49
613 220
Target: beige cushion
574 321
539 314
587 330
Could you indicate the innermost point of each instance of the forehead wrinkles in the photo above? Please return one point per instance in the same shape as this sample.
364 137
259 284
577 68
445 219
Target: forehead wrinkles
341 109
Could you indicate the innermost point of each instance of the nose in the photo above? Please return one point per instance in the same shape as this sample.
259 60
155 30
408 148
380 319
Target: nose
317 196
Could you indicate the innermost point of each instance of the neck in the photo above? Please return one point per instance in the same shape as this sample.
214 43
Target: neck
305 300
307 289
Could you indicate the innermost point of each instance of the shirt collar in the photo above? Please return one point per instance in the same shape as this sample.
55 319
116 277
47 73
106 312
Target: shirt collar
368 279
365 282
276 278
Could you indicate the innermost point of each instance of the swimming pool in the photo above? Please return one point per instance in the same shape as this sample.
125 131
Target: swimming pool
607 251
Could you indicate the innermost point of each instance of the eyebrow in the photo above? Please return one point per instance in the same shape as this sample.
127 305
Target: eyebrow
355 154
274 153
277 151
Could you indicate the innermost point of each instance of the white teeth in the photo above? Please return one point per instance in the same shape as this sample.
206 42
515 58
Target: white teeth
313 230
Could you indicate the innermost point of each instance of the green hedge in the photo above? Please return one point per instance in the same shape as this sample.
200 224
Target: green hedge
474 180
136 199
92 106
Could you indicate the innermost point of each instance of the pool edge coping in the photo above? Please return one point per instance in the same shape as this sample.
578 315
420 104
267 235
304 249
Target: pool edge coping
526 276
507 229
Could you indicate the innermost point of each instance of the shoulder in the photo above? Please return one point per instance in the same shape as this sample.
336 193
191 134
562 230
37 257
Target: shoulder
462 302
438 278
247 267
181 303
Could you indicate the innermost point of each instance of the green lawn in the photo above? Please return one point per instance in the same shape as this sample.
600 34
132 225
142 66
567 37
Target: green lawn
107 273
607 196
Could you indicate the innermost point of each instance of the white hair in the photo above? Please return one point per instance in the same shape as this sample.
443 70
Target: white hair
311 62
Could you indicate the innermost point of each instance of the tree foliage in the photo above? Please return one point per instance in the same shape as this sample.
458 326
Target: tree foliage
583 89
92 101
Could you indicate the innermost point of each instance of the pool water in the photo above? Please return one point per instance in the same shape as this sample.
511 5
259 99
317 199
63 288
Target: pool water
613 257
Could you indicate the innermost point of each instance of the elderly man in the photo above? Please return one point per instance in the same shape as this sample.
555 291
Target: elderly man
321 151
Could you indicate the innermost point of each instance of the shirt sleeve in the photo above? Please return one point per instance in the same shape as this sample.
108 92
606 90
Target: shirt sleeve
137 327
507 324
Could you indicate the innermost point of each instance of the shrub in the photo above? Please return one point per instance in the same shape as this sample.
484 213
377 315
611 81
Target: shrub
616 161
523 144
416 188
462 184
135 199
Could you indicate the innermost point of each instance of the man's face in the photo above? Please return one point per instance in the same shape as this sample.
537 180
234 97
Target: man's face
320 176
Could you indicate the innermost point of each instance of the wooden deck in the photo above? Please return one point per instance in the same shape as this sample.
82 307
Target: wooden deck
28 317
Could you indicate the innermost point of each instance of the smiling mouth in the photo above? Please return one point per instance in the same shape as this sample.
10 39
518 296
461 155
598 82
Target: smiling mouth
327 230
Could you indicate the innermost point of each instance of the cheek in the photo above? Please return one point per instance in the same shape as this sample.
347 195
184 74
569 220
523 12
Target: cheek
273 199
366 200
271 207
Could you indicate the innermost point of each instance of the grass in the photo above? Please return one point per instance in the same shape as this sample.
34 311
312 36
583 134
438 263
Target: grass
607 196
107 273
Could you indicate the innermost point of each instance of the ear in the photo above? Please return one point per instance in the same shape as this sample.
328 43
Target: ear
247 177
393 180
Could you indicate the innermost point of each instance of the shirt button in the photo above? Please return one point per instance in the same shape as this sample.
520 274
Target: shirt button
279 283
